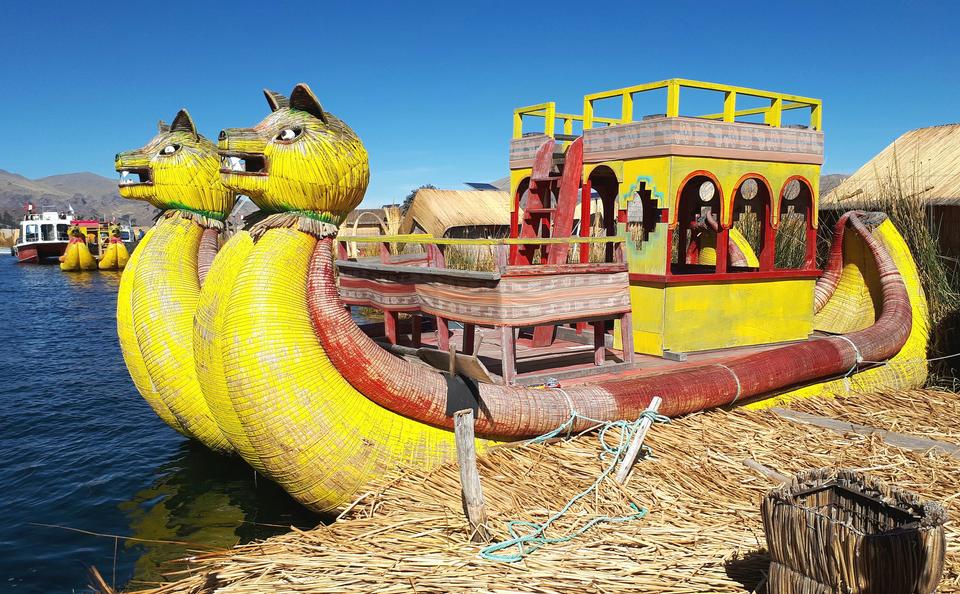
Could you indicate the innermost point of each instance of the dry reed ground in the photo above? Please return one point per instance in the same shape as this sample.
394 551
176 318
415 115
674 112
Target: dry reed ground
703 532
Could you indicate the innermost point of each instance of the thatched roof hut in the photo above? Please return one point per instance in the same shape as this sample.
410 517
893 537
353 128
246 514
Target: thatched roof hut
373 221
458 213
924 162
919 170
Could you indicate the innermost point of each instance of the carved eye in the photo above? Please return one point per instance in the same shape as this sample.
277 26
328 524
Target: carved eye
288 134
170 149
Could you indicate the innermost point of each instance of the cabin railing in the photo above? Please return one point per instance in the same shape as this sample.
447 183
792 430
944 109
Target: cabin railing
432 255
772 113
548 112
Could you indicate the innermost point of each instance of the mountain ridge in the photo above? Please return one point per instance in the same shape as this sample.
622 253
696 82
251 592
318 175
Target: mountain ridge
89 194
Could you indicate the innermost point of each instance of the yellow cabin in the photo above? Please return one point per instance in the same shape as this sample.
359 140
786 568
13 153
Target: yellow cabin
717 215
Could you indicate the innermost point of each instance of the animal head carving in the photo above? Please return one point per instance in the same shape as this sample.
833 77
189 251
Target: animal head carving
178 168
300 158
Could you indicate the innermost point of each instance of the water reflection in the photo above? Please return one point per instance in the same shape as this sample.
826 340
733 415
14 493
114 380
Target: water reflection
204 498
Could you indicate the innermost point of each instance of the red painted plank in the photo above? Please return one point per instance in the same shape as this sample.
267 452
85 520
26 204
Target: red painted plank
567 202
729 277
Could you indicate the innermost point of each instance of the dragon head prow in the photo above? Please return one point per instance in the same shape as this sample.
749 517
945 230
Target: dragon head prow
177 169
299 159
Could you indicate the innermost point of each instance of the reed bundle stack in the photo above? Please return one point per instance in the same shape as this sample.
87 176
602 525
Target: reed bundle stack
703 532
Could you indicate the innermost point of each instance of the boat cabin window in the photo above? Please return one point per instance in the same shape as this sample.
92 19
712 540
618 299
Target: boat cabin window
47 232
63 233
796 238
751 240
603 182
694 242
32 233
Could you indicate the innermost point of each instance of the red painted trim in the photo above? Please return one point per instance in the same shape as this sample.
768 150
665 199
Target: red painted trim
729 277
698 173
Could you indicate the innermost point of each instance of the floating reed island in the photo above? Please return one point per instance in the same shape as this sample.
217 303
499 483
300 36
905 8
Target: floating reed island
703 532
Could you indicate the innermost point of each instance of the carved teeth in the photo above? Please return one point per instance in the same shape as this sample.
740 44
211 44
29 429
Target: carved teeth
233 163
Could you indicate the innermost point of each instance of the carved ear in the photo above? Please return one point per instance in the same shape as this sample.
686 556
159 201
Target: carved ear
302 98
162 127
183 123
275 99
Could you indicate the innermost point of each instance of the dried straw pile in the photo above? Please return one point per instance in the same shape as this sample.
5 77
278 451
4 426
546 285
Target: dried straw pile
703 534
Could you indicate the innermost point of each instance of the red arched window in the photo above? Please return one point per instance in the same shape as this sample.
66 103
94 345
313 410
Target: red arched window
698 243
796 237
752 218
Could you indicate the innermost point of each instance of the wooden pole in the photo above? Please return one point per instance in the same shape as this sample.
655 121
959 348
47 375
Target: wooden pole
471 491
599 342
508 349
634 450
416 329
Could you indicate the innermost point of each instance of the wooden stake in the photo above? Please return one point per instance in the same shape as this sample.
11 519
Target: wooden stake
471 491
634 450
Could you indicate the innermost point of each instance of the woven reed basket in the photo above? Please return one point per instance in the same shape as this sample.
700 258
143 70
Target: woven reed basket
839 531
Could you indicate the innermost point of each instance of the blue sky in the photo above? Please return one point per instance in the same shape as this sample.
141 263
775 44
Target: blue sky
430 87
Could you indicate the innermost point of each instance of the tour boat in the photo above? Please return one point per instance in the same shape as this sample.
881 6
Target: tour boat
43 236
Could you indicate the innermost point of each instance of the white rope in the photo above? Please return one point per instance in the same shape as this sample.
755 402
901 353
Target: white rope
573 411
853 344
736 379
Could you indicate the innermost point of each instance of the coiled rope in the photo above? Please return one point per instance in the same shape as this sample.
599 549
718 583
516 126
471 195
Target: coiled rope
533 535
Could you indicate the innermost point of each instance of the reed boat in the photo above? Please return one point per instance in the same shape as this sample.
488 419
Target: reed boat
697 282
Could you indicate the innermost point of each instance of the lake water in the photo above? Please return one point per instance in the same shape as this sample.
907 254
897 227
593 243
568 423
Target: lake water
81 449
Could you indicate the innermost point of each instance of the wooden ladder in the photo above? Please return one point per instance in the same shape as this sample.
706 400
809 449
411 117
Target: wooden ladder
544 218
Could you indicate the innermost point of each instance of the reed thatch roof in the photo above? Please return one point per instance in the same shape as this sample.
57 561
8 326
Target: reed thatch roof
703 533
923 163
439 211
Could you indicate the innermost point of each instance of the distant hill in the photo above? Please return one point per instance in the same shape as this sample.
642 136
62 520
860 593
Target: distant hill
831 181
88 193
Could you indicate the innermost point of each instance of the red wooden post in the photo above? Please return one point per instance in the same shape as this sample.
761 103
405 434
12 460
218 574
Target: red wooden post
626 337
599 342
585 223
586 205
469 335
768 246
390 319
515 227
415 326
443 334
508 347
723 245
811 257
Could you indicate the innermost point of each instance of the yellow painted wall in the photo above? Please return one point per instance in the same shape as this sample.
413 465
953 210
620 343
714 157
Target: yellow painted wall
696 317
713 316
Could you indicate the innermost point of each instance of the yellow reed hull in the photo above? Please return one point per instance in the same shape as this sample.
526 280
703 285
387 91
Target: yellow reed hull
291 415
162 289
